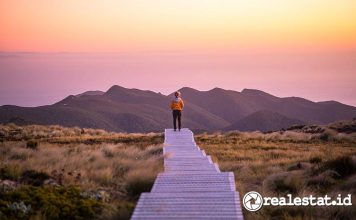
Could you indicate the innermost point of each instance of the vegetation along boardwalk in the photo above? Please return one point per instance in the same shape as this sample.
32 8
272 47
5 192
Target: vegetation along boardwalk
191 187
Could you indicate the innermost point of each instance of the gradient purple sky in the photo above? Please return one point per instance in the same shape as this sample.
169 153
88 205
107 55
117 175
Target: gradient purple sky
284 47
32 79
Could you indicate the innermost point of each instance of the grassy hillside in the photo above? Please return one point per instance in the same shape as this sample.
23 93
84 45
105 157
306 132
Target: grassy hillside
53 172
315 160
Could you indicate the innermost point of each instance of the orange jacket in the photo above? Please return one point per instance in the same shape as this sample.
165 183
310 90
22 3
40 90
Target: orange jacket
177 104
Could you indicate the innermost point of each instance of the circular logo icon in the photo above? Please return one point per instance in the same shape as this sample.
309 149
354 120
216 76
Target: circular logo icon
252 201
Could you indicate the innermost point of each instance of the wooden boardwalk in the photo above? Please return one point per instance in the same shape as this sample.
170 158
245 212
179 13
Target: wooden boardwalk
191 187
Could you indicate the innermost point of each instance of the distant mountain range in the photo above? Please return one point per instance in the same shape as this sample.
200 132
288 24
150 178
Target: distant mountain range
133 110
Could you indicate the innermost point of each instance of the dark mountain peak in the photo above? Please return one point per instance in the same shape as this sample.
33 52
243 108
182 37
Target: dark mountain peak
187 88
250 91
254 92
115 89
186 91
134 96
129 109
299 100
67 100
119 90
70 97
96 92
217 89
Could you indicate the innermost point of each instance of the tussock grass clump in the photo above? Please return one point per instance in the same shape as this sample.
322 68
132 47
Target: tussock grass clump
344 166
125 210
87 165
301 161
328 135
62 135
84 163
284 183
347 127
323 180
304 160
32 177
32 144
10 173
315 160
139 182
50 203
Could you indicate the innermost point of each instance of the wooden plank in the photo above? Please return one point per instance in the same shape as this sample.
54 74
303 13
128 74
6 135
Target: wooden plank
192 186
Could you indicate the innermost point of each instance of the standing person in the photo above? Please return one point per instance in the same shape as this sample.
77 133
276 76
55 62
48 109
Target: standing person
177 105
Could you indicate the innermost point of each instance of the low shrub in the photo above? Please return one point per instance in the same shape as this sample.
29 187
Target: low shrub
35 178
139 182
10 173
315 160
52 202
125 210
284 182
108 153
344 166
32 144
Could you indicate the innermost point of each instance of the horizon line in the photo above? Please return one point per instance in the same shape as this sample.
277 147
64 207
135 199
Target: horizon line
168 94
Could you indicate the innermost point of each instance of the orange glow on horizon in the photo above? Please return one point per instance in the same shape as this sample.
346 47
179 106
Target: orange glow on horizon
159 25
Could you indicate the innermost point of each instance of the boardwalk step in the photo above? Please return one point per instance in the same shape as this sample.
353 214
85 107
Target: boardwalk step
231 194
192 186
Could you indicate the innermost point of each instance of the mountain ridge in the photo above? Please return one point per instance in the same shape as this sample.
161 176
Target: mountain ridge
134 110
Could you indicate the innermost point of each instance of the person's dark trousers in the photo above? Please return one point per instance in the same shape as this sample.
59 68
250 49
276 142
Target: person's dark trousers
177 114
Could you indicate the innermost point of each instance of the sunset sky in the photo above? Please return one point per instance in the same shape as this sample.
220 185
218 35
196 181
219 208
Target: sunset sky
53 48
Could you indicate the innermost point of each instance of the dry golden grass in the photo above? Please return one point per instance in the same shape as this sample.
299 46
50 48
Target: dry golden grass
123 165
300 162
279 163
89 166
62 135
